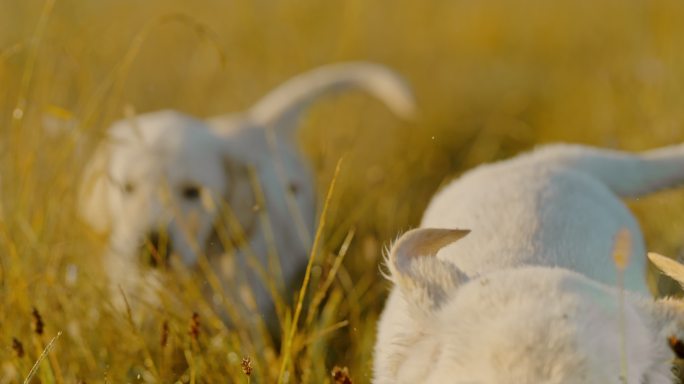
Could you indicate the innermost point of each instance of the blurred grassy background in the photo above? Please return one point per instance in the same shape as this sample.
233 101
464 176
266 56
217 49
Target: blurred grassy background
492 78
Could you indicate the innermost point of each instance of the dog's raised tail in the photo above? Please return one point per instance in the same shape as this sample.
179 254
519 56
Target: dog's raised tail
626 174
285 103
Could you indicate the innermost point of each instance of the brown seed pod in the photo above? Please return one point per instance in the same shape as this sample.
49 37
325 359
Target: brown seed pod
18 347
164 333
194 326
341 375
37 325
246 366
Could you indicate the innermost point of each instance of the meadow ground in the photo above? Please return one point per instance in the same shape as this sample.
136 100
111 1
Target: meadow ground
491 77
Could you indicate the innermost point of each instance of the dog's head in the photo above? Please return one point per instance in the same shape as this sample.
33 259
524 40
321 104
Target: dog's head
522 325
157 185
422 285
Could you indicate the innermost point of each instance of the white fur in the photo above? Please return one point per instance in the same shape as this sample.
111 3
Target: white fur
557 210
135 182
528 325
556 206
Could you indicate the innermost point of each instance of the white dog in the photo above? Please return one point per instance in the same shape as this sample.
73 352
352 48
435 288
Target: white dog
168 183
526 325
556 207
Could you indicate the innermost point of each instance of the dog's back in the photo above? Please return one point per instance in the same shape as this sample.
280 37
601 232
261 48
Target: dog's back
557 206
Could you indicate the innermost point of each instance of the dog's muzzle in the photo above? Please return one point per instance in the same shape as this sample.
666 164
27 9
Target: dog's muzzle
156 248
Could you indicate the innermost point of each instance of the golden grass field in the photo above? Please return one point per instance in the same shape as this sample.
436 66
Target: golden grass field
491 77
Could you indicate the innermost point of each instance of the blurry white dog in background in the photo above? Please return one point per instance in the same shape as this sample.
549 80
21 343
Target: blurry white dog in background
556 210
168 183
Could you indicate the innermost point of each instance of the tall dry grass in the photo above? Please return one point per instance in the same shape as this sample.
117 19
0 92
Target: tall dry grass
492 78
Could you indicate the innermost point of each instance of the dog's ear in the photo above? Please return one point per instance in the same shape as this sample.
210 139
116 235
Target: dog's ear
424 280
92 195
668 266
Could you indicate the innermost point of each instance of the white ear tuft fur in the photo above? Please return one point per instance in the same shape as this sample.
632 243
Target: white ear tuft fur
424 280
668 266
92 195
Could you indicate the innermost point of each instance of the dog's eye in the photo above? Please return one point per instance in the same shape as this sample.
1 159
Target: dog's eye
190 192
128 187
293 187
677 346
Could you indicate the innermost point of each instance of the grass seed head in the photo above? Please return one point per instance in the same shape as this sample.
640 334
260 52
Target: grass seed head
341 375
246 366
165 333
18 347
37 325
194 326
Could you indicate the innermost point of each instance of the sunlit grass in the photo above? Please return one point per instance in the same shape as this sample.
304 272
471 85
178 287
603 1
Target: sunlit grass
491 77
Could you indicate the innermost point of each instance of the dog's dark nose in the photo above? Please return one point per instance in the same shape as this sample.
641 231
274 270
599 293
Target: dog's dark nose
156 248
